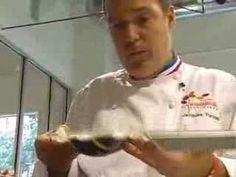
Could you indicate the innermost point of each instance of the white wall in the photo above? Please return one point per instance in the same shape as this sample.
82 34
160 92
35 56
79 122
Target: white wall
9 94
36 85
14 12
89 44
49 45
76 51
10 76
208 40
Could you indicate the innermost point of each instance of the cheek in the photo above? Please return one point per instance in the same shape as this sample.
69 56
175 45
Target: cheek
160 37
119 44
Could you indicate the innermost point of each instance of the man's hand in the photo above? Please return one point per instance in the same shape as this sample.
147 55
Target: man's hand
170 164
7 173
55 150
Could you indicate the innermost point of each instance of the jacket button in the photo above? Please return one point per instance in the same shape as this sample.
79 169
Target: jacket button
171 105
114 107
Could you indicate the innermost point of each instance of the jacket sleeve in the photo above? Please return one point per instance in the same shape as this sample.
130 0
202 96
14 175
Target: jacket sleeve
230 165
229 157
40 169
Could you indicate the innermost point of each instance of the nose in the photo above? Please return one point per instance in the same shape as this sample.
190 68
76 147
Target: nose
131 34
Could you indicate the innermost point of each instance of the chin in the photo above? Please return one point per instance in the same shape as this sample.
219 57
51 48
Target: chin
140 74
142 70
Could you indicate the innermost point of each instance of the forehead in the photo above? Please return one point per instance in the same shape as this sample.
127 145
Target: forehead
119 8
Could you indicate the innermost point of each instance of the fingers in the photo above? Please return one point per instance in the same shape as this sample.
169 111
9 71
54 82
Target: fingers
55 150
133 150
136 152
59 134
62 130
165 162
53 141
145 144
144 149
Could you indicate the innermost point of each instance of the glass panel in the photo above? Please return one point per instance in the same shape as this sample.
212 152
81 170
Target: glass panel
35 11
38 11
190 8
58 105
34 117
30 128
10 72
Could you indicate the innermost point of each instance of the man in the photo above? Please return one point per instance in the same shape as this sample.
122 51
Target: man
149 93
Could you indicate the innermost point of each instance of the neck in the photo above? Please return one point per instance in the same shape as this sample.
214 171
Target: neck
158 71
152 76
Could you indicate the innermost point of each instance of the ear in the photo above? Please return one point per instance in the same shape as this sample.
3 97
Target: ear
171 17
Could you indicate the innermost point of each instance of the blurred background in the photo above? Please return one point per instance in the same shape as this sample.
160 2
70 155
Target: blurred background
50 48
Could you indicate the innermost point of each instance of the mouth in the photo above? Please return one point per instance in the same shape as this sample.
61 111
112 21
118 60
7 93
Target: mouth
137 53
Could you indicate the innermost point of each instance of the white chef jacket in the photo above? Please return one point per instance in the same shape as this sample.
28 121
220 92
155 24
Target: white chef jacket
114 102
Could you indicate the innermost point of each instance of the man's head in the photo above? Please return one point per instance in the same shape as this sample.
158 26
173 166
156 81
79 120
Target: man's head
141 31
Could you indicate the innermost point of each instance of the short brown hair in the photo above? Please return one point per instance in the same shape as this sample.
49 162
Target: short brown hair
165 4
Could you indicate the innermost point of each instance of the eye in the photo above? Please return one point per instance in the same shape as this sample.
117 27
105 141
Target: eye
143 20
118 26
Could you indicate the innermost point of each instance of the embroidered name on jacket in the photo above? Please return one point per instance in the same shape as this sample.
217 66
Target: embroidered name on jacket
195 105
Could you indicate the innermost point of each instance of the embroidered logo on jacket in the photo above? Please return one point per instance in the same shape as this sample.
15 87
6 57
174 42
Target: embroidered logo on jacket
199 105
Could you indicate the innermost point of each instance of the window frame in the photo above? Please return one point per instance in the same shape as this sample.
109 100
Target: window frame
204 8
19 113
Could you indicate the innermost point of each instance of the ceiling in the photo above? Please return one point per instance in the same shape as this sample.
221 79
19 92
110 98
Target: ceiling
18 13
38 11
39 41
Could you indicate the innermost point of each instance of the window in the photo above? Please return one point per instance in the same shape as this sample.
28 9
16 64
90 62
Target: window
197 7
30 99
7 140
10 77
30 129
58 108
